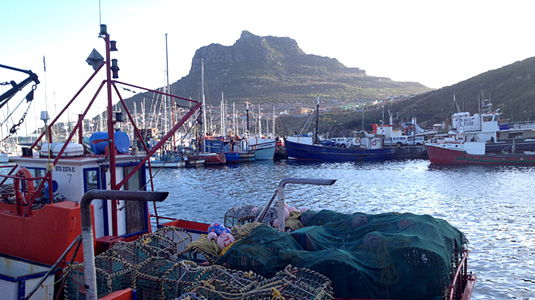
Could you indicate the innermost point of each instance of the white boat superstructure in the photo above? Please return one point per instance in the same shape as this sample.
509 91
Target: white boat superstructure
264 148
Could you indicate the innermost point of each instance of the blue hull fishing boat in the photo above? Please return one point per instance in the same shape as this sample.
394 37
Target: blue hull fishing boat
362 147
319 152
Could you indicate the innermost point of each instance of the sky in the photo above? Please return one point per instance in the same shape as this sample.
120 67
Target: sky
436 43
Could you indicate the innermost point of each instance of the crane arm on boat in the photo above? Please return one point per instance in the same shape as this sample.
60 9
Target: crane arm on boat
32 77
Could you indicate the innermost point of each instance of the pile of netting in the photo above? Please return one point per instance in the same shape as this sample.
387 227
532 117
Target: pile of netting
160 266
401 256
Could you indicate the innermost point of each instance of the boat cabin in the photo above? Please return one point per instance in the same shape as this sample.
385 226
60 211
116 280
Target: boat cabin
74 176
30 218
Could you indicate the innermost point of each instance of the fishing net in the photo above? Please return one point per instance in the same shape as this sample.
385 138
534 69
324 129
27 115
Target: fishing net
156 268
244 214
401 256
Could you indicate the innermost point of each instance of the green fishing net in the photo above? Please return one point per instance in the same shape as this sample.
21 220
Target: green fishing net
384 256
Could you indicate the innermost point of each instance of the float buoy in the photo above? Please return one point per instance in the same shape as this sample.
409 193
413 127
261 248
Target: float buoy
24 191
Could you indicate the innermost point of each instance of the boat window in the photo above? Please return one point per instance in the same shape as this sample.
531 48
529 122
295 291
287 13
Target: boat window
514 135
39 173
133 183
91 179
135 210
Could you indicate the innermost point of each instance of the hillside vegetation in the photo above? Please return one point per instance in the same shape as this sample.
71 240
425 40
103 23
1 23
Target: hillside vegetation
511 89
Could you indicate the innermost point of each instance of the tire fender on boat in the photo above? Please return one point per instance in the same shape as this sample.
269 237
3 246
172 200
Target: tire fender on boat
24 192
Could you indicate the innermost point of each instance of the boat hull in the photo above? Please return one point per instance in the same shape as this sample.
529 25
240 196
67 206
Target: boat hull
55 225
440 155
264 149
247 156
298 151
211 158
232 157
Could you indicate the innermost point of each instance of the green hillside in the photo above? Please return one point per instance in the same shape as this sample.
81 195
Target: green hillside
511 89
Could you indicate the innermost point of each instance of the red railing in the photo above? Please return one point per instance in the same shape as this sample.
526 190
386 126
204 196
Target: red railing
463 282
24 196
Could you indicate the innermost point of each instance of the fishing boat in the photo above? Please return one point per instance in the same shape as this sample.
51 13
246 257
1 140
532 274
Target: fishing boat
210 153
43 213
263 147
457 151
362 147
488 126
329 152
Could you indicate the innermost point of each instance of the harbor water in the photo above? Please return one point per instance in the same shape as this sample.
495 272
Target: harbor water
494 206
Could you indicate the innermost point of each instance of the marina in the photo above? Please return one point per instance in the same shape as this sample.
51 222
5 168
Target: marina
399 228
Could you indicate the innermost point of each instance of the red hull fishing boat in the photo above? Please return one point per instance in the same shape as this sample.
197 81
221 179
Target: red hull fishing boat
43 216
454 150
64 195
438 155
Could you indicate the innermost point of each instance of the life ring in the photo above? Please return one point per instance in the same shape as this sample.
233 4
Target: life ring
23 192
357 141
374 143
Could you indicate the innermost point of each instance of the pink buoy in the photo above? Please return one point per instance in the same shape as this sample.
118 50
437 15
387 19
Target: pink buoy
275 222
304 209
212 236
286 213
224 240
292 209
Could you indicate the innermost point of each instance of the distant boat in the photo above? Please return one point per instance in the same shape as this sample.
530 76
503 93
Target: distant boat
323 152
264 148
221 145
168 162
209 157
454 150
488 126
362 147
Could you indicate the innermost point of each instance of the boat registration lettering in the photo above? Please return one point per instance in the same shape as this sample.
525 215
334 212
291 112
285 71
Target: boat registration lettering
64 169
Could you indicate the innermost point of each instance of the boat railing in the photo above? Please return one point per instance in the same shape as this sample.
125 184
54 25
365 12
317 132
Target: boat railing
462 284
13 168
25 193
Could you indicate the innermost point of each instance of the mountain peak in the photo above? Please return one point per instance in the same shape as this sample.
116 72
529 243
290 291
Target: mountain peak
265 68
246 34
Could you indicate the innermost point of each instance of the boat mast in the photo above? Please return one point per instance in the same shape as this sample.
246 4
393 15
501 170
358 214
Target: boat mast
111 133
247 110
165 126
317 120
363 118
273 129
223 125
234 131
203 107
259 121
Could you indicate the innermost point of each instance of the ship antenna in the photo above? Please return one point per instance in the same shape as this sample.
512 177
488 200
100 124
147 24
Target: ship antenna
455 102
